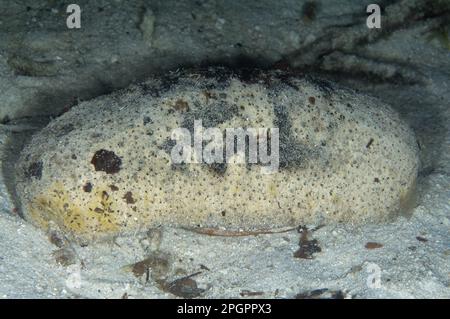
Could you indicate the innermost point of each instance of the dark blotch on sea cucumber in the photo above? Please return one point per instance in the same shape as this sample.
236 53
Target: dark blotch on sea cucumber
106 161
147 120
87 187
129 198
218 168
34 170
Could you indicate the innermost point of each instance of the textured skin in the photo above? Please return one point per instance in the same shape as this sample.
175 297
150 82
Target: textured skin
103 168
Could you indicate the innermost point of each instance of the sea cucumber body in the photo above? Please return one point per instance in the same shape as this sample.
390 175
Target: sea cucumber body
104 168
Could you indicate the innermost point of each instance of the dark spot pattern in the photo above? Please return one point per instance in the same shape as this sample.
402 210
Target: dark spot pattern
218 168
129 198
34 170
147 120
168 145
106 161
87 187
292 153
369 143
